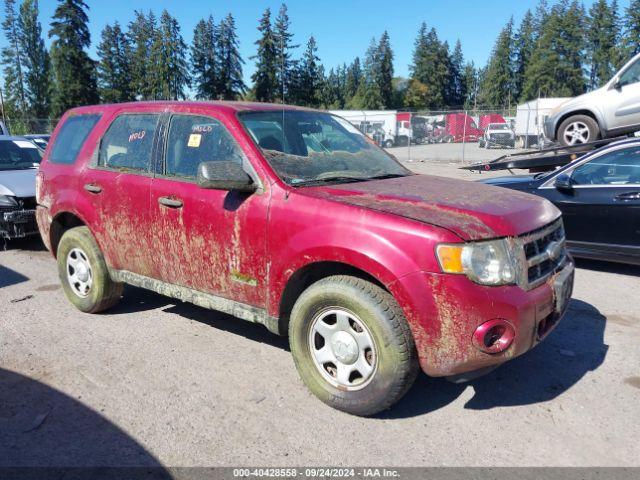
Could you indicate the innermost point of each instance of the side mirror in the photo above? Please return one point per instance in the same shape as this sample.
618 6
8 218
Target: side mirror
563 182
224 176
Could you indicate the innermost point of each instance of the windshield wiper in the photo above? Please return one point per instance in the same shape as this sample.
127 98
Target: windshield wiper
336 179
388 175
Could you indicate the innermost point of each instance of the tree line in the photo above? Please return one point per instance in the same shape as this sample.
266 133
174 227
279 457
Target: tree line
558 49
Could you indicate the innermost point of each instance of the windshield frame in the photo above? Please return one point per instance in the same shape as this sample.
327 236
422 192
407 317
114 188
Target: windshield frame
311 183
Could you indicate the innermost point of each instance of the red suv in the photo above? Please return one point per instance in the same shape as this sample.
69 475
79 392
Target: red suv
292 218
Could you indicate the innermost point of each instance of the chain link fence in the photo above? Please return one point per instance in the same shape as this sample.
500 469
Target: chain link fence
452 136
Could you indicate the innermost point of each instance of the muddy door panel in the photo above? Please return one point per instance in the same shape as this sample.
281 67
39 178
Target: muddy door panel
210 240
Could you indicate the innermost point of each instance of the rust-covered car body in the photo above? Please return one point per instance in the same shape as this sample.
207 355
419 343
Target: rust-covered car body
251 254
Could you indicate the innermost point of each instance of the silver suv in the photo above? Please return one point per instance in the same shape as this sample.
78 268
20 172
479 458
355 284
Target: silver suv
606 112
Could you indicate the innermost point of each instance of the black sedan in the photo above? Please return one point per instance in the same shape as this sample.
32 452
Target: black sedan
599 196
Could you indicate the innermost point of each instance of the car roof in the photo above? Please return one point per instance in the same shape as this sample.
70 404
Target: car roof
223 106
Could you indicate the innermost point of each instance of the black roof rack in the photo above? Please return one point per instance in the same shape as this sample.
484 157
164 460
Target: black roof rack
541 159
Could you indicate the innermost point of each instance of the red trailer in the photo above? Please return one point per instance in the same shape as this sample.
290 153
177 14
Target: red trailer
485 120
460 127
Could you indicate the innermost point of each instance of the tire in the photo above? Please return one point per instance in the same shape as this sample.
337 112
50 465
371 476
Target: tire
578 129
388 143
392 359
98 293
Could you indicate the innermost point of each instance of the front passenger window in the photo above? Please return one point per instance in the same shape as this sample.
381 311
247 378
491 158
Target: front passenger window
128 142
631 74
193 140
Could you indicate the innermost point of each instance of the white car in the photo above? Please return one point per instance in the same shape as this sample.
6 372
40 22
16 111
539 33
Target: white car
604 113
19 161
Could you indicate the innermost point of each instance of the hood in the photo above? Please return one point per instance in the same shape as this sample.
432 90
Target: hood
471 210
18 183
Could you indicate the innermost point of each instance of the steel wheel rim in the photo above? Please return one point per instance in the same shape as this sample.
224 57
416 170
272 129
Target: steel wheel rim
576 132
79 273
342 349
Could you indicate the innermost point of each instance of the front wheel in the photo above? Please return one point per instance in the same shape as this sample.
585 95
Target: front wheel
84 274
388 143
351 345
578 129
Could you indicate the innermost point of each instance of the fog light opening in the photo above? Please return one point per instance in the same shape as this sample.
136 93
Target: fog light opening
494 336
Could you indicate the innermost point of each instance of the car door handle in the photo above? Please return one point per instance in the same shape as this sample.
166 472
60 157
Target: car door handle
625 197
170 202
93 188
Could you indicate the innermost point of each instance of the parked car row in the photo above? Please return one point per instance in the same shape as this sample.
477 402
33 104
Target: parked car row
19 160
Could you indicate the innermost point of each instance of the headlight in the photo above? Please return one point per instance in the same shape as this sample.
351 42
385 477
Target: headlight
487 263
6 201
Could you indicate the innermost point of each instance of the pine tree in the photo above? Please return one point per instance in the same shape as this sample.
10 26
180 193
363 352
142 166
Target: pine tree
456 89
470 86
498 85
169 72
383 70
524 44
74 72
141 34
555 69
114 66
36 61
12 61
310 80
286 65
204 59
430 67
368 96
631 37
601 43
230 62
265 83
353 78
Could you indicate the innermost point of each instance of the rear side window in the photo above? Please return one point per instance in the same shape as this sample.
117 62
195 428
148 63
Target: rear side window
128 143
71 137
193 140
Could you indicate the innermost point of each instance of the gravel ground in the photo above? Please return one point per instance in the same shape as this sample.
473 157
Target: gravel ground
158 382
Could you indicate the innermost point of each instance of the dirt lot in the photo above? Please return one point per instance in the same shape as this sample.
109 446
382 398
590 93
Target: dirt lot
159 382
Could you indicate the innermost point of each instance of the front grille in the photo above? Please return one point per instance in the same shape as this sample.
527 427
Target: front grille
545 253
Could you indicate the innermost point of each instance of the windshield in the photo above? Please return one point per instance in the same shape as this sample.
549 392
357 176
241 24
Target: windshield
19 155
498 126
313 147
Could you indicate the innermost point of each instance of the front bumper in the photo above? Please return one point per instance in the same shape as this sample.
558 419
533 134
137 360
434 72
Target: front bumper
17 223
444 311
501 141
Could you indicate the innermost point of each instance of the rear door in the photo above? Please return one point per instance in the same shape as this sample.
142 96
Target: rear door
622 104
118 186
604 205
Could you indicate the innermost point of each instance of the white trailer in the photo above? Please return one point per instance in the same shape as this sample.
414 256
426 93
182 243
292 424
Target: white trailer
382 126
530 118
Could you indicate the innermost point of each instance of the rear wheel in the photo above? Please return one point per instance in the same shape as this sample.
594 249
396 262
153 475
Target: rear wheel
578 129
351 345
84 274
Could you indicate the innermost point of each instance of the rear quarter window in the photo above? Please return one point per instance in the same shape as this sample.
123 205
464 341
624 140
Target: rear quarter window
71 137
